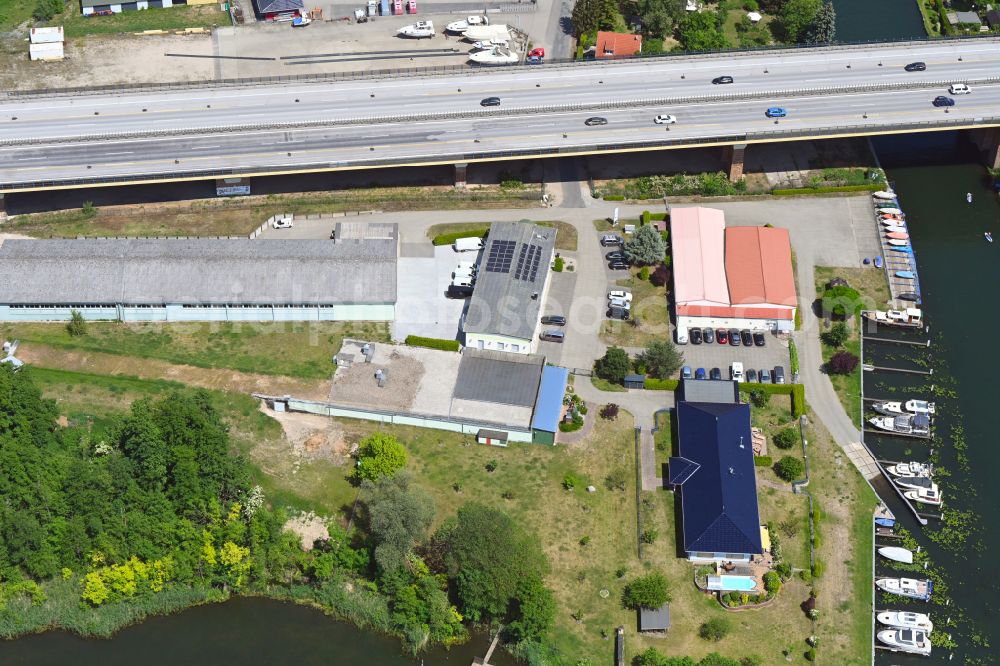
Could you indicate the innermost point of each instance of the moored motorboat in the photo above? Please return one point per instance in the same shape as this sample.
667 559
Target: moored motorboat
417 30
915 483
908 469
919 407
908 318
903 424
896 554
905 620
930 495
906 587
884 194
898 242
906 640
890 211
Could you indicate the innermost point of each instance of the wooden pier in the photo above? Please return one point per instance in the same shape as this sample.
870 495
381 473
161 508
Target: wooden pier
870 368
926 343
485 661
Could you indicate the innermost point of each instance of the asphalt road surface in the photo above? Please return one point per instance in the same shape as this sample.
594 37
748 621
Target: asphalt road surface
373 113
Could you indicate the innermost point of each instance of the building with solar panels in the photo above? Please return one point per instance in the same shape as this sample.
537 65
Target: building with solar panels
511 286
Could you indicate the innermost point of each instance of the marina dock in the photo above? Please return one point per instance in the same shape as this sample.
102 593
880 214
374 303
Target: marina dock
897 257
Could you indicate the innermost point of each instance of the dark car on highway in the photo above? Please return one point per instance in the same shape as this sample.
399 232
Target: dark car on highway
490 101
596 120
916 67
746 337
734 338
554 320
722 79
722 336
695 336
758 339
941 100
715 373
709 335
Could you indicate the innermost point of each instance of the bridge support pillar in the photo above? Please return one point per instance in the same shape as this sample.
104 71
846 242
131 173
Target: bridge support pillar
3 210
734 155
461 171
988 142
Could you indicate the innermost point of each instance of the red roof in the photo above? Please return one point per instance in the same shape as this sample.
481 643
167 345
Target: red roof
759 266
617 44
735 312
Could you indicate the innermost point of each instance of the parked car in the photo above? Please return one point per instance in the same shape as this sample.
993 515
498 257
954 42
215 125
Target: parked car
736 371
779 375
620 293
611 239
681 335
695 334
746 337
534 60
615 255
490 101
456 291
734 338
708 334
765 376
699 373
618 313
915 67
618 265
596 120
722 336
462 282
752 376
665 119
776 112
715 373
758 339
554 320
941 100
537 52
282 223
686 372
619 303
719 80
552 336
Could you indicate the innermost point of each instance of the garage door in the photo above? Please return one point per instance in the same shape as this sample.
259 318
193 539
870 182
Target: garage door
155 4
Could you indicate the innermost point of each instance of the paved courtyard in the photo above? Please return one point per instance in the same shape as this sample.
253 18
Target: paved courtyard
714 355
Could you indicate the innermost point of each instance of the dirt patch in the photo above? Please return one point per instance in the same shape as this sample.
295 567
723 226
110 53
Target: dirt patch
312 436
357 385
309 527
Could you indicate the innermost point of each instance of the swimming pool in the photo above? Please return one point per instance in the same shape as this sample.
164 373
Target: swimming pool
732 583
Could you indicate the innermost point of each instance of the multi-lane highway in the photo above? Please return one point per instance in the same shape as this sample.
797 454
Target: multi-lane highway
327 125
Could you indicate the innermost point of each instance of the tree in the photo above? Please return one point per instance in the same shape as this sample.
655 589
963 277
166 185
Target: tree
796 17
789 468
487 555
772 583
660 276
650 591
837 335
46 10
653 657
659 18
593 15
661 359
532 611
614 365
823 28
609 412
759 398
840 300
699 31
379 455
645 246
398 518
842 363
77 325
785 438
714 629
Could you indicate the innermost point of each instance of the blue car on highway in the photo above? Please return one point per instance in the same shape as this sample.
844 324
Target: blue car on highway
776 112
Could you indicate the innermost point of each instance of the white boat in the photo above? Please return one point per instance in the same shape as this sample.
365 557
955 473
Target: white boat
988 236
968 197
909 318
482 33
930 495
884 195
490 43
896 554
897 242
889 222
890 211
498 55
906 587
459 27
905 620
904 424
906 640
417 30
909 469
910 406
915 483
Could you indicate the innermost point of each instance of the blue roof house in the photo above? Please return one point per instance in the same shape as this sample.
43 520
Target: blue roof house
714 473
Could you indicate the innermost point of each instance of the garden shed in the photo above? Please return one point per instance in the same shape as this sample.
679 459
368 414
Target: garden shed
655 619
635 381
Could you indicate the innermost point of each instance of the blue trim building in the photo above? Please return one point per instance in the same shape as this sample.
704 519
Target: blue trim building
548 405
715 475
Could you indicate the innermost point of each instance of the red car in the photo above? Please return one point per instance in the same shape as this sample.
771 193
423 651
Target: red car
722 336
537 52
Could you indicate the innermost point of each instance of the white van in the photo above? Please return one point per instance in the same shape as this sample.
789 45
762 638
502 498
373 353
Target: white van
959 89
462 282
736 371
468 244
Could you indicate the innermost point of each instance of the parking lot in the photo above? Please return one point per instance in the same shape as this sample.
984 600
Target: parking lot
773 353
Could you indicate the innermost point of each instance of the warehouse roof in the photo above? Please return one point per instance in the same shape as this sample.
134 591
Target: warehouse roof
719 500
759 266
697 237
197 271
501 377
511 280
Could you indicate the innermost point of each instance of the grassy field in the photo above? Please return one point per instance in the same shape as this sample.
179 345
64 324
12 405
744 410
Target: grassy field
649 307
172 18
874 291
294 349
14 12
566 236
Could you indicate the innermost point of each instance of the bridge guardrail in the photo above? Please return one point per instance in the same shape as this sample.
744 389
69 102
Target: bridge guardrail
515 111
748 137
550 63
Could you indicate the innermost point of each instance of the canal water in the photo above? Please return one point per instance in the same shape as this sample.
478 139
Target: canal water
868 21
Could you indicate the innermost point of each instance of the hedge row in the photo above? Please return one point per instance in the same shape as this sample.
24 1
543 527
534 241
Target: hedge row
652 384
614 197
763 461
823 190
448 239
658 217
432 343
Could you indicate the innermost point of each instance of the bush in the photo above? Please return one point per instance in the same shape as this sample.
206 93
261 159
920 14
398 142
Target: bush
558 265
609 412
793 357
837 335
649 536
644 273
762 461
759 399
810 654
824 190
614 197
46 10
784 570
571 481
789 468
660 276
772 583
448 239
842 363
511 184
616 479
652 384
379 455
77 325
650 591
661 359
840 301
785 438
644 218
714 629
432 343
818 568
88 209
798 394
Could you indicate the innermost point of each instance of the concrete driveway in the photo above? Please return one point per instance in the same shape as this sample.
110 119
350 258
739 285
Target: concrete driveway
421 306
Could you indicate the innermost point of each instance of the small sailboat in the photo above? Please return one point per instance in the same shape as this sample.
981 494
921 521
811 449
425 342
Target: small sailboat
884 194
889 222
905 620
899 242
896 554
898 235
988 236
906 275
906 587
890 211
914 641
968 197
930 495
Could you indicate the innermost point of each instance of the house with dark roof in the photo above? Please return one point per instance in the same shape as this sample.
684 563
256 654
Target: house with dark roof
715 478
271 10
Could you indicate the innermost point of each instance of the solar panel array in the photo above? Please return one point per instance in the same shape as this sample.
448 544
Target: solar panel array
527 263
500 256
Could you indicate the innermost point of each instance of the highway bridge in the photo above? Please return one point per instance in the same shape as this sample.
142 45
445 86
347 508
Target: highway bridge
86 138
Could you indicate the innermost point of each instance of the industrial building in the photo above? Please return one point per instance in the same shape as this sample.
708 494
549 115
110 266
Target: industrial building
510 288
163 279
730 277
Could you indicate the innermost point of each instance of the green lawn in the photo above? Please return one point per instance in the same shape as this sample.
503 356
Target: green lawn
14 12
649 308
663 438
566 236
171 18
294 349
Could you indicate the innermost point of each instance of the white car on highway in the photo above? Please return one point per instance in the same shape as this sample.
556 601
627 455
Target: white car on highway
664 119
959 89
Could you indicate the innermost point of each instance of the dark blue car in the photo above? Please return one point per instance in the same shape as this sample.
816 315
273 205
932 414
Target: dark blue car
699 373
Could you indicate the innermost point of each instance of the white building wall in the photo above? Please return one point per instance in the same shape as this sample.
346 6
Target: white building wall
499 343
781 325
